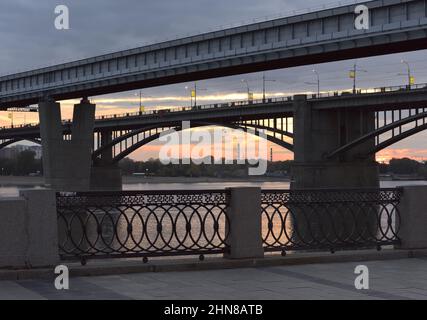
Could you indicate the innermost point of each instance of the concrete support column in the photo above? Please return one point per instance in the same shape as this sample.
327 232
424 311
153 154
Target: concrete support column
106 178
244 213
67 163
318 132
105 175
29 230
107 154
413 218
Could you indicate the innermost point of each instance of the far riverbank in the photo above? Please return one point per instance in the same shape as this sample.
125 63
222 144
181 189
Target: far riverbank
39 181
25 181
10 186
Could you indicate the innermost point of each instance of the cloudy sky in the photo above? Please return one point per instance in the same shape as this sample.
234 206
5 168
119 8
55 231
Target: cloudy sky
29 40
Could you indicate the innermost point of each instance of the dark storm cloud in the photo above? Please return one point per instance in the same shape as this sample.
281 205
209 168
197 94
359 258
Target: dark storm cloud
29 38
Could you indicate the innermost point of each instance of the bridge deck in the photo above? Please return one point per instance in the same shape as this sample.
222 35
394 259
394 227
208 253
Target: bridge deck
386 98
322 36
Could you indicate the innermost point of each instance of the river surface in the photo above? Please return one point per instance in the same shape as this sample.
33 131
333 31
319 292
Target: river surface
12 191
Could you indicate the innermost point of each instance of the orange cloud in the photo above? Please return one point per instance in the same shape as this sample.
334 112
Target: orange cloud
387 154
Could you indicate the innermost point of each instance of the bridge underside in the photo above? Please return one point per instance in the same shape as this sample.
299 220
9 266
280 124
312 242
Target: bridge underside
311 55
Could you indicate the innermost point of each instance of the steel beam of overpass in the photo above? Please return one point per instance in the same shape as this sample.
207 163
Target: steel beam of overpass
322 36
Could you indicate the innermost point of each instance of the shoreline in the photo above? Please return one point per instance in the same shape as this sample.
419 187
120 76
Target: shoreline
6 181
136 180
11 181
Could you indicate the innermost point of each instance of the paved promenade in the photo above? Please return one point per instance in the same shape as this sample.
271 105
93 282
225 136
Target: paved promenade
390 279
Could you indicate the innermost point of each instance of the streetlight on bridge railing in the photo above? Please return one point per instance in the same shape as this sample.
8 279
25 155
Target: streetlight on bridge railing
250 94
353 75
315 83
264 80
141 107
194 93
411 79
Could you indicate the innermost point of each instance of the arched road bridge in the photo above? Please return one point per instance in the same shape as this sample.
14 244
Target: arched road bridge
334 136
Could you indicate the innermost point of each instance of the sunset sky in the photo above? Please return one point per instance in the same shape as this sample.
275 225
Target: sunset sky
30 40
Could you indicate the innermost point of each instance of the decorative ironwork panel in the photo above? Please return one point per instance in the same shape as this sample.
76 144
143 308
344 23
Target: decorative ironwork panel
143 223
329 219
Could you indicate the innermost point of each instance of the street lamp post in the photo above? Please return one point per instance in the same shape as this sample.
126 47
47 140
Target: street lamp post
318 81
247 86
353 75
408 72
191 97
140 99
194 93
315 83
264 80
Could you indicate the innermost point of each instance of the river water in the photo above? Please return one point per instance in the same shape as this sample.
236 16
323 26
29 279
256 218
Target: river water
12 191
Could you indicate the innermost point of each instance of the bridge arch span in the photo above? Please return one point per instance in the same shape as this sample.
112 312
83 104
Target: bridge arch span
388 134
128 149
5 143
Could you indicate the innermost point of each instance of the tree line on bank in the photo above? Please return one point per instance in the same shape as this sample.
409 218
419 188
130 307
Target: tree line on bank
25 163
404 166
154 167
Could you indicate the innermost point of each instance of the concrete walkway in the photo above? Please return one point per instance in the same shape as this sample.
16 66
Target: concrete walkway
390 279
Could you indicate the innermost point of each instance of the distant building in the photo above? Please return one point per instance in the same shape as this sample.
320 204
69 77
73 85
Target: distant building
12 152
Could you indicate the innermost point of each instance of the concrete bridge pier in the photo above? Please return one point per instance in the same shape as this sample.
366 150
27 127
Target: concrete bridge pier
106 178
317 133
67 162
105 174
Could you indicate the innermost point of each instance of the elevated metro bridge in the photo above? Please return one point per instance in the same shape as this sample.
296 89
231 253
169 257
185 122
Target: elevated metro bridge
321 36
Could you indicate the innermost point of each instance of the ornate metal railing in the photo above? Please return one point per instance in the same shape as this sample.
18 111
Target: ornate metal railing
142 224
196 222
329 219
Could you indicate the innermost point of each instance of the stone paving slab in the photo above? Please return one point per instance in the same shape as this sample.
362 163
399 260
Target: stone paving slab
389 279
99 267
